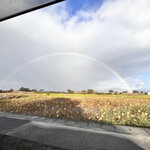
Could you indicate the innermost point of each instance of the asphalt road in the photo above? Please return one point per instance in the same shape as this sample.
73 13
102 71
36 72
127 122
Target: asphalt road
74 135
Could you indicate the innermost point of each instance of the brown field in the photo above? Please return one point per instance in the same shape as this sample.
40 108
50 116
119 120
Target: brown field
122 110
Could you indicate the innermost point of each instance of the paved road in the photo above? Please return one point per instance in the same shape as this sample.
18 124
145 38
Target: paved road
74 135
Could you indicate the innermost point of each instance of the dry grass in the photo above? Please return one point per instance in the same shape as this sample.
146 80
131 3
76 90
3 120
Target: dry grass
123 110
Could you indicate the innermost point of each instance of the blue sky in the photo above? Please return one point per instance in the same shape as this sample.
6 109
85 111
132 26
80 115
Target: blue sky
76 5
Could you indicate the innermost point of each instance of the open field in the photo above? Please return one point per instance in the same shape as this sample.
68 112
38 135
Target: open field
132 110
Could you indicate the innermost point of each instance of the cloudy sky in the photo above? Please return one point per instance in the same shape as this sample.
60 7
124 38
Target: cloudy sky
99 44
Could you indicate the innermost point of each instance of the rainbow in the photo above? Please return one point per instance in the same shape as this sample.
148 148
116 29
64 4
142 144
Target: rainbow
69 54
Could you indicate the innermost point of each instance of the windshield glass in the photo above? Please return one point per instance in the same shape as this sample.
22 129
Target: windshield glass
82 60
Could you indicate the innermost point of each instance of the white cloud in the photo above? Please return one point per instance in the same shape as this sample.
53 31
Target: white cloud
117 34
113 84
140 85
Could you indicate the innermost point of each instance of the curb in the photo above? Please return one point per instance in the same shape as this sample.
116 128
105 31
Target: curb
81 124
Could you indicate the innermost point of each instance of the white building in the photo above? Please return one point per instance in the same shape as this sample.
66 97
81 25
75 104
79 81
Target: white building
147 93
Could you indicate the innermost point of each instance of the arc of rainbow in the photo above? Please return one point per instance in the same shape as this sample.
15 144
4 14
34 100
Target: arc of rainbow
72 54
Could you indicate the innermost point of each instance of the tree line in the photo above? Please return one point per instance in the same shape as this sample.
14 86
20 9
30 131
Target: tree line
69 91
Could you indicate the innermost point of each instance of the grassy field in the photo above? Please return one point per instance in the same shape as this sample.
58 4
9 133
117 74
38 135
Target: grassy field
132 110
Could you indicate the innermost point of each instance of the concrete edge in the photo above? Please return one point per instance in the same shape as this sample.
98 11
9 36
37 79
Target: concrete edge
81 124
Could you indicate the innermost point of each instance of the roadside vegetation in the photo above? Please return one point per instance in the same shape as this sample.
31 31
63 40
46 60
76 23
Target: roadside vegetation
131 110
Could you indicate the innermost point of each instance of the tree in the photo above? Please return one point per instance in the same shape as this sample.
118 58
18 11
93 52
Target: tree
111 91
84 91
135 91
24 89
34 90
141 92
11 90
70 91
116 92
41 90
21 89
90 91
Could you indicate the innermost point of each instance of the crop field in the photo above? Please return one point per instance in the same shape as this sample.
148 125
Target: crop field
131 110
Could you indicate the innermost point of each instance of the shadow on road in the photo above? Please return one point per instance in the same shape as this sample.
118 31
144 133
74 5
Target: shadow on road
75 138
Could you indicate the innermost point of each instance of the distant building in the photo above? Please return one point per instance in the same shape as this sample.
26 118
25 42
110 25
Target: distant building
147 93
